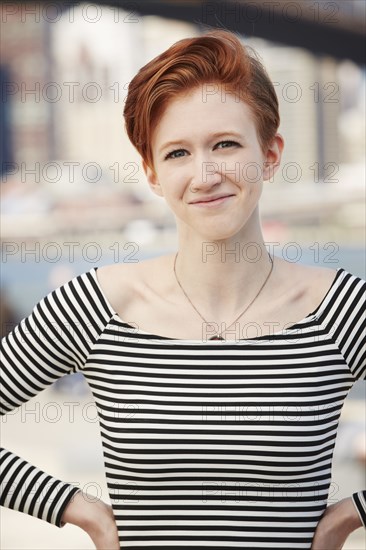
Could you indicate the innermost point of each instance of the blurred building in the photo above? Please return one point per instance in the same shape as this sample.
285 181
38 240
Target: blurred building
26 69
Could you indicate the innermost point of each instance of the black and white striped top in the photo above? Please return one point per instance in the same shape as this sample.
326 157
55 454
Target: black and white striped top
220 444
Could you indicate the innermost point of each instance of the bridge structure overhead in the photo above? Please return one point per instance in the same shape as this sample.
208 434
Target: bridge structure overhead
335 28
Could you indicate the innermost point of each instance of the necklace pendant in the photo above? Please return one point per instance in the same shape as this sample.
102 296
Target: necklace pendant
216 337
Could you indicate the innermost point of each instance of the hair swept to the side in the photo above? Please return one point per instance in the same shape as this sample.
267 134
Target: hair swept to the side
216 57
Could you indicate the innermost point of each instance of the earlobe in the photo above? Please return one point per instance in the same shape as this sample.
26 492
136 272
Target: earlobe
152 179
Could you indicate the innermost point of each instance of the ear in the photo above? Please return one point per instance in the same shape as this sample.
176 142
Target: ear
273 157
152 179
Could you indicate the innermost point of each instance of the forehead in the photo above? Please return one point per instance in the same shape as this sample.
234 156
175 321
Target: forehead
208 106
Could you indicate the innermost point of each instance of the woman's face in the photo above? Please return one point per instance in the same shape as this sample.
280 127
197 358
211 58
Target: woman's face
204 146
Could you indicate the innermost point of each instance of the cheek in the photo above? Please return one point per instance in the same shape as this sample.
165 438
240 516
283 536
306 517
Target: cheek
175 182
251 172
253 187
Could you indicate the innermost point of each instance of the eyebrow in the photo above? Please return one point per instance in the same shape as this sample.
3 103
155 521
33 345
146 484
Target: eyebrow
215 135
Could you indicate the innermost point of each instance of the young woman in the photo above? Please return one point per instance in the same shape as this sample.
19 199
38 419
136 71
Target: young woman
235 362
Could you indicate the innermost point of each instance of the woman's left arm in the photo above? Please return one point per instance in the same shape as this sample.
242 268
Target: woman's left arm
348 319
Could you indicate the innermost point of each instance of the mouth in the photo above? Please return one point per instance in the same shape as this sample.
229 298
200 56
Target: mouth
212 202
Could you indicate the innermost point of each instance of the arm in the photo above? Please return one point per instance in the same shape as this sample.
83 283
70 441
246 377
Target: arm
337 523
53 341
95 518
347 319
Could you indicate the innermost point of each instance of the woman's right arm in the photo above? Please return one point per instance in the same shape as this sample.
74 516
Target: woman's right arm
53 341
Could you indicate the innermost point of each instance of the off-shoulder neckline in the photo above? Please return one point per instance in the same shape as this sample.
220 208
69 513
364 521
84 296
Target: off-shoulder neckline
149 335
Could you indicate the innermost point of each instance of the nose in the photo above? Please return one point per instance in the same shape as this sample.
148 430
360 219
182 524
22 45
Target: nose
206 175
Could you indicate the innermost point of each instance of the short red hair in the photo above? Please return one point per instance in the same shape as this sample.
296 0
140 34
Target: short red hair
217 57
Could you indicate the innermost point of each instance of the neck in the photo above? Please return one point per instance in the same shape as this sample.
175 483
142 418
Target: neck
222 277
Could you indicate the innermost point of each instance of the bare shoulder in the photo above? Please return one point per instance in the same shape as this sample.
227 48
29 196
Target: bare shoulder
312 282
318 275
121 283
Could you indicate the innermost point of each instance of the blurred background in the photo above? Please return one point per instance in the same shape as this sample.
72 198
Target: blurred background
74 195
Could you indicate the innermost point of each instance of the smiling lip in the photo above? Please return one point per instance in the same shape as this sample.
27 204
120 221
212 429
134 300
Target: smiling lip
212 200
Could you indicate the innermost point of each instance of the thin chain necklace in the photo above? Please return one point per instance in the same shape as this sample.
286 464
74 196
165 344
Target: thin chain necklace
219 336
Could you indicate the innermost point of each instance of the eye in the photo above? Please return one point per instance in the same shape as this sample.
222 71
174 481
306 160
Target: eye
226 143
173 154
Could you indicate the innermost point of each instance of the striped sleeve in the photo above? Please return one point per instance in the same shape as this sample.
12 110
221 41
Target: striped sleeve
359 500
345 317
27 489
54 340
